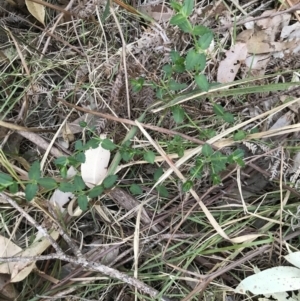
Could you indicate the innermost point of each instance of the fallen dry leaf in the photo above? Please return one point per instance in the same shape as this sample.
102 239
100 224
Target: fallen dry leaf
229 67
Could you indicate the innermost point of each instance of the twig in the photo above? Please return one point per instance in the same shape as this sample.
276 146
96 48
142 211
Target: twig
95 267
127 121
40 228
242 22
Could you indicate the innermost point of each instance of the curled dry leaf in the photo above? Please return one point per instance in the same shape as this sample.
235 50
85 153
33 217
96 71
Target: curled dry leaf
37 10
229 67
94 169
20 270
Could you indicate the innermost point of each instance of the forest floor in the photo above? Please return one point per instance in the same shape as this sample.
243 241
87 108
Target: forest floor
149 151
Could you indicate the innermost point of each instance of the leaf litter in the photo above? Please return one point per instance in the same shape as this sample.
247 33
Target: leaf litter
97 80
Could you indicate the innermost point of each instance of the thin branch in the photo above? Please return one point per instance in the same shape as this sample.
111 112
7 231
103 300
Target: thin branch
95 267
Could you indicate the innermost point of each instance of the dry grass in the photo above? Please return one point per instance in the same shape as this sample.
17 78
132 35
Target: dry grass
185 245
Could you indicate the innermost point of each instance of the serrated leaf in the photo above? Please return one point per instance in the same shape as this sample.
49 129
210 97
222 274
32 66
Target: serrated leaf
78 145
167 69
149 157
228 117
162 191
177 19
178 114
135 189
176 6
158 173
187 7
37 10
80 157
126 156
66 187
174 55
110 181
192 59
30 191
175 86
47 183
108 144
61 161
205 40
96 191
78 183
273 280
239 135
202 82
200 30
83 202
207 150
94 169
35 171
5 179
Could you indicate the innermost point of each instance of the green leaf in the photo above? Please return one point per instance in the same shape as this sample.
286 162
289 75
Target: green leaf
218 162
108 144
205 41
178 114
218 109
175 56
207 150
61 161
82 124
239 135
137 84
110 181
5 180
178 19
135 189
191 60
66 187
35 171
237 157
200 30
185 25
82 202
176 6
96 191
78 183
78 145
174 86
47 183
216 179
228 117
80 157
202 82
168 70
126 155
187 186
180 66
30 191
14 188
158 173
63 171
162 191
187 7
106 11
93 143
149 157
